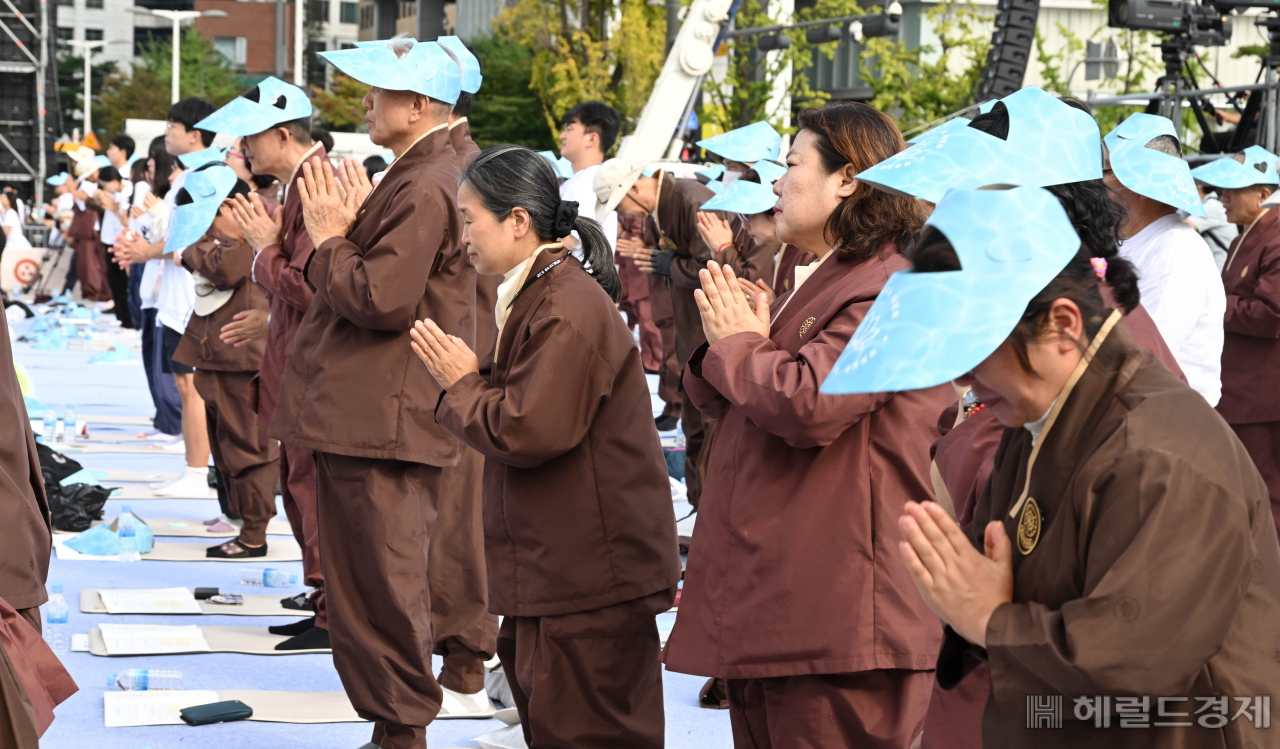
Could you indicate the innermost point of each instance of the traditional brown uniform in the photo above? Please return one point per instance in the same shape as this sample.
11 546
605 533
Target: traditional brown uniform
356 395
784 270
634 302
1251 348
91 261
795 590
676 218
247 459
279 269
580 534
466 633
32 681
1145 566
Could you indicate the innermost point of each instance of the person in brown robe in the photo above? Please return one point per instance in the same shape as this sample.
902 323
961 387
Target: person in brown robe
794 590
634 302
282 248
580 534
383 259
85 236
1131 574
1251 333
246 458
672 206
786 258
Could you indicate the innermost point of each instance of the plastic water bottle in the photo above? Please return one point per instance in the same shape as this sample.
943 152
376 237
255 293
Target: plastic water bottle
50 424
69 418
127 531
270 577
55 621
145 679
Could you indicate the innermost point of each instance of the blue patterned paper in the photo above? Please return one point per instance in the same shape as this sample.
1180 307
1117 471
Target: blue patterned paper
1148 172
58 179
712 172
1050 143
715 186
197 159
561 165
746 144
426 69
242 117
471 77
927 328
101 161
207 188
742 197
1228 173
769 171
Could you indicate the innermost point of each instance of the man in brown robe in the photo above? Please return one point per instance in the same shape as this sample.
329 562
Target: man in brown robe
353 394
672 205
634 302
84 233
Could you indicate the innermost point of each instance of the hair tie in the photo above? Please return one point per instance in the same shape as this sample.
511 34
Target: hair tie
1099 267
566 215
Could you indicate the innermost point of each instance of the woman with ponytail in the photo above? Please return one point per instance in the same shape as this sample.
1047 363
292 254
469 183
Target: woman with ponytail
580 535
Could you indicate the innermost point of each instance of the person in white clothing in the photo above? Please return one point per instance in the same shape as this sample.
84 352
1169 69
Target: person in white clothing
14 239
1213 226
590 130
114 194
1177 276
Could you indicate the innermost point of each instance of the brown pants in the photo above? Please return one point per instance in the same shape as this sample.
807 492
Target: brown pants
954 720
466 633
376 518
881 709
669 371
689 336
1262 442
590 679
298 492
91 269
19 727
242 452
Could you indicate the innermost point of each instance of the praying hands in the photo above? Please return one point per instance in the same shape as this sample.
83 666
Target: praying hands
328 209
447 357
725 309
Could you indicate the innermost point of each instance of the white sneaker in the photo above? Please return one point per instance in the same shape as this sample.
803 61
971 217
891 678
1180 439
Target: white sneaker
178 446
193 484
459 705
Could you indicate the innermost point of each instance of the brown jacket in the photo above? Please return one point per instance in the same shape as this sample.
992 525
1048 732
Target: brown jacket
26 533
1153 570
226 265
577 505
463 145
794 567
486 286
784 272
278 268
352 385
1251 328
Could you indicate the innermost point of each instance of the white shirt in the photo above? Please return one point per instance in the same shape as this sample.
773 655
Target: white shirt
581 187
15 240
64 205
177 296
1182 291
111 223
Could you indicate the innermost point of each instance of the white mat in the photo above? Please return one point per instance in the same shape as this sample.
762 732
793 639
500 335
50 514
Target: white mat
283 550
188 528
246 640
255 604
146 492
92 448
161 708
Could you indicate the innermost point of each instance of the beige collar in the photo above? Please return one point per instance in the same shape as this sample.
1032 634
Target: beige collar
512 281
1240 244
803 273
457 122
392 165
293 176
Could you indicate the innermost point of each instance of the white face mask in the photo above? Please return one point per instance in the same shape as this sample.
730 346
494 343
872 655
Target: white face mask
730 176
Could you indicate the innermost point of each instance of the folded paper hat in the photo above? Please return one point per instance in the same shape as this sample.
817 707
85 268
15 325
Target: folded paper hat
715 186
769 171
927 328
1049 143
207 189
614 178
561 166
1148 172
276 102
711 172
58 179
101 161
746 144
425 69
740 196
471 77
197 159
136 157
1259 168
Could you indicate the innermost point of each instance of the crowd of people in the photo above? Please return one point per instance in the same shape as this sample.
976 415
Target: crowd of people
980 431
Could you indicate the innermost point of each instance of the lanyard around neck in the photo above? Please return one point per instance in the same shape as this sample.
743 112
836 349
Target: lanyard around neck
531 279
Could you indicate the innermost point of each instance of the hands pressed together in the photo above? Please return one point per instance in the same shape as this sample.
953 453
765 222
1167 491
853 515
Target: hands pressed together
330 203
447 357
261 227
246 327
726 309
715 231
635 249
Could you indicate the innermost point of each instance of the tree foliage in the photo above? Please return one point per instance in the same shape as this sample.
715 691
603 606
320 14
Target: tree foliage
71 92
340 110
506 109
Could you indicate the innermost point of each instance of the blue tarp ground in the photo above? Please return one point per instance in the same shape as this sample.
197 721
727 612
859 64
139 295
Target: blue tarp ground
66 377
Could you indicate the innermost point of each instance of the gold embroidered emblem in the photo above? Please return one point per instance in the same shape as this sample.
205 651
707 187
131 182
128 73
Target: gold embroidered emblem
1029 527
1243 272
805 327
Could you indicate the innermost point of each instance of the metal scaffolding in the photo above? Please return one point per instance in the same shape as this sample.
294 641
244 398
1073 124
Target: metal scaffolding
38 65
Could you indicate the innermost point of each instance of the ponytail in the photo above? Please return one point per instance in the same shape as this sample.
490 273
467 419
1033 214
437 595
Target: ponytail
1098 219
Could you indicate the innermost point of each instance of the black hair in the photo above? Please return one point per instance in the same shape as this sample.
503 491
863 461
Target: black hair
263 181
109 174
188 112
165 164
322 135
373 165
240 188
124 143
508 176
596 117
462 107
1098 219
138 172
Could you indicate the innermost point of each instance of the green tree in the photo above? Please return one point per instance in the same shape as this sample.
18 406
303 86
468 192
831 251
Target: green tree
340 110
507 110
71 92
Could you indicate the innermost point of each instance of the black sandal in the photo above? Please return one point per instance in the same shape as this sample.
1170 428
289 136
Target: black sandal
233 549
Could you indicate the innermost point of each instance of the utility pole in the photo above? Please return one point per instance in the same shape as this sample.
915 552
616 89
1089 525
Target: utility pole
280 48
299 40
178 16
87 49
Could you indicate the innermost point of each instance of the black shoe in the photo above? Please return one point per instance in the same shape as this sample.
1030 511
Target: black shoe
313 639
293 630
235 550
665 423
300 602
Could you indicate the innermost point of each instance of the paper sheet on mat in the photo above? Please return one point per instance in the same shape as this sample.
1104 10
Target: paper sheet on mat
158 708
158 601
285 549
255 604
152 639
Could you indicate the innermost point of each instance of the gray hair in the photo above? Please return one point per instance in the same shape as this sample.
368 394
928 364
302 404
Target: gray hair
401 43
1166 144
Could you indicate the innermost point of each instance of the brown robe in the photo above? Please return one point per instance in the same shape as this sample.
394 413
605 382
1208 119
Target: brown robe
463 145
802 486
33 681
1153 570
1251 348
784 271
634 302
91 261
226 265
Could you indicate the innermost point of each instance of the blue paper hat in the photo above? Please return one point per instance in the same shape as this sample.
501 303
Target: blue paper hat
58 179
746 144
927 328
1259 168
425 69
207 188
1146 171
1049 143
471 77
769 171
740 196
197 159
562 167
277 102
715 186
101 161
711 172
135 157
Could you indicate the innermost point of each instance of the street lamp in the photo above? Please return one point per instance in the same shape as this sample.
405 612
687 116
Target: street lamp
178 16
88 48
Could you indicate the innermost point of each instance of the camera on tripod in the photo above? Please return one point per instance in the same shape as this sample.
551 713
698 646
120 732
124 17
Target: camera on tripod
1200 25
